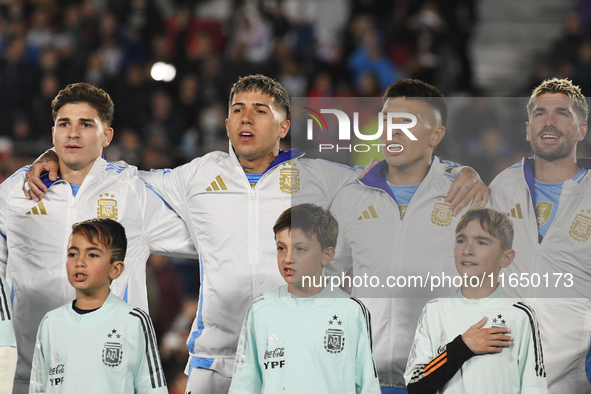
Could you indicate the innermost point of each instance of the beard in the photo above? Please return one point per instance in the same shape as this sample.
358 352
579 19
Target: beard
564 149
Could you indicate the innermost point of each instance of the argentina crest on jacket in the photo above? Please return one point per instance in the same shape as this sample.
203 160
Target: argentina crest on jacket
289 178
106 207
441 214
580 228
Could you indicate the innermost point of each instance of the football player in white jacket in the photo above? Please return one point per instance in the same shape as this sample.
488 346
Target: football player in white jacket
231 201
395 222
34 236
548 198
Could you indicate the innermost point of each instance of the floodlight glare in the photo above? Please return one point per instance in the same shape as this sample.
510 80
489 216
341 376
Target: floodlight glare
163 72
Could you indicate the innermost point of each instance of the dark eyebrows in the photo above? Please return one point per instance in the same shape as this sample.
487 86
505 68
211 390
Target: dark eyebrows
255 105
83 120
261 105
92 248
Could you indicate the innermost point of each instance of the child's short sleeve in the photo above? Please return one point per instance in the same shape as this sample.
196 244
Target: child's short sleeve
149 376
366 376
38 382
531 358
7 337
247 377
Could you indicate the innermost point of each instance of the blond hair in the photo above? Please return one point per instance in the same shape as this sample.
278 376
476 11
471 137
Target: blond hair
564 86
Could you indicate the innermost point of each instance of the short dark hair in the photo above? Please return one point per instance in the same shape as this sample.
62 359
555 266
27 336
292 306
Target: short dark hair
267 85
414 89
83 92
106 232
312 220
493 222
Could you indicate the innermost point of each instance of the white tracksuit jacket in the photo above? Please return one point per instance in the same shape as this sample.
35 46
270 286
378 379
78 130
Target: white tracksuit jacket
375 241
33 246
566 249
232 224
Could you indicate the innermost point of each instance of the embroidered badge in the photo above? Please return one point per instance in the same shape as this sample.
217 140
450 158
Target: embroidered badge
289 178
543 210
441 214
580 228
106 207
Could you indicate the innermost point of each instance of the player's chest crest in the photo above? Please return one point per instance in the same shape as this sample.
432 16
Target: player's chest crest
106 206
112 351
580 228
441 215
289 178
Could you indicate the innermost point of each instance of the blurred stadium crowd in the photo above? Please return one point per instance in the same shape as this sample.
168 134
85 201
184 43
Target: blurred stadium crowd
342 48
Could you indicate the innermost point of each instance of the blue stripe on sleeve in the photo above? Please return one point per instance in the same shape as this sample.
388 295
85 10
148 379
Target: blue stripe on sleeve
588 365
200 326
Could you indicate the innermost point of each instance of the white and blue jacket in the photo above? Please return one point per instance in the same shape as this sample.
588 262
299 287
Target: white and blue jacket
33 245
565 322
375 240
232 224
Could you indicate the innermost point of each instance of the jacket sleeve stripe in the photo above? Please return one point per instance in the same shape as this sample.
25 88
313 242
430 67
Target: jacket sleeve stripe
156 374
535 329
4 311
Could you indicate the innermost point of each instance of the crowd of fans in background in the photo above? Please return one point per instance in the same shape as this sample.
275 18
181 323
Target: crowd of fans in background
337 48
